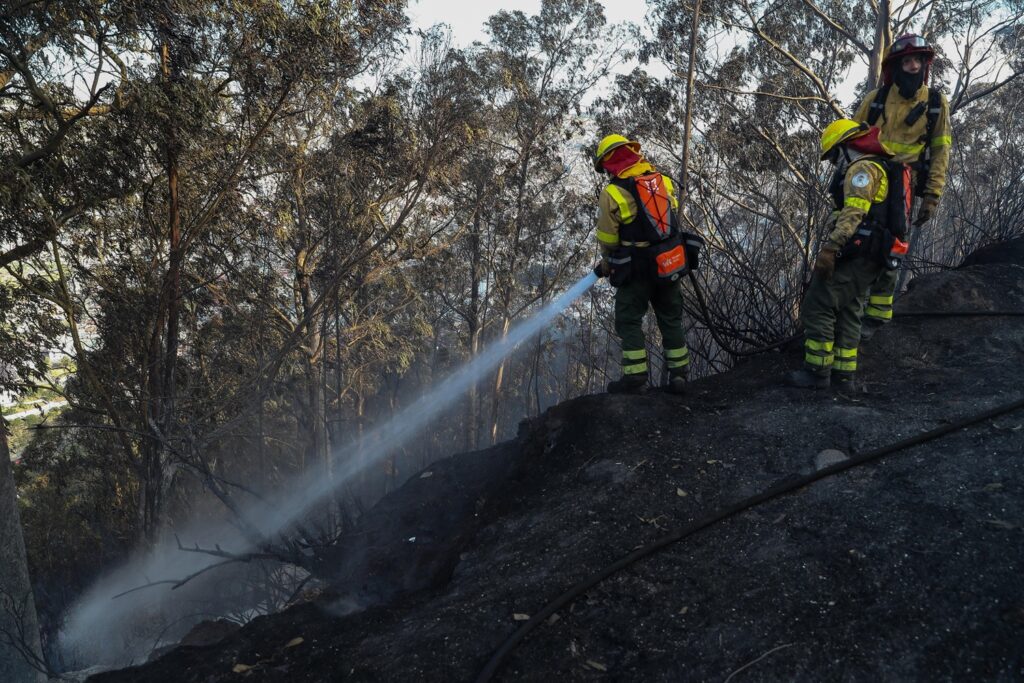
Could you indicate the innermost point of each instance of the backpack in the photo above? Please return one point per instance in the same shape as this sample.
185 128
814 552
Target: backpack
655 223
882 233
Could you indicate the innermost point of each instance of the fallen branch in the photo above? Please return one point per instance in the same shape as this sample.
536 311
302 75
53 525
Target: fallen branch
752 663
217 551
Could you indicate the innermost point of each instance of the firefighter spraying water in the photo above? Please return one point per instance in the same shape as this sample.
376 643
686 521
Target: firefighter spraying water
644 255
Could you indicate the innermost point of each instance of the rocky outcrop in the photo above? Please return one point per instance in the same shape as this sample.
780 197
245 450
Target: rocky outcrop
905 569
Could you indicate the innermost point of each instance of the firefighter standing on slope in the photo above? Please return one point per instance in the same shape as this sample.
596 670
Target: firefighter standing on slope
643 257
914 120
873 208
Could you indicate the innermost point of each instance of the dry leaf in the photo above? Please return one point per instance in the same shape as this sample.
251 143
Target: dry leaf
426 475
596 665
553 619
713 462
519 616
684 610
995 486
241 668
295 641
681 493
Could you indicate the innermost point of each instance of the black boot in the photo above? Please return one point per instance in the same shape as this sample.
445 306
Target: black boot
628 384
843 381
805 379
677 384
868 329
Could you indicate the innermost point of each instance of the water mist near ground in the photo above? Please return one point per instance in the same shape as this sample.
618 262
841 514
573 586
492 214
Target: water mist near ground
101 629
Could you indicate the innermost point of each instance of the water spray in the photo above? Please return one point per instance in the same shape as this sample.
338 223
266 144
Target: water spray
409 421
101 629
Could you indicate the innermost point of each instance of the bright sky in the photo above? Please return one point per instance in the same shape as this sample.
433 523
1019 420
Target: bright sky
467 18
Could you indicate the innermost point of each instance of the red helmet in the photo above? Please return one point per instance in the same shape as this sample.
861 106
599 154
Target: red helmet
904 46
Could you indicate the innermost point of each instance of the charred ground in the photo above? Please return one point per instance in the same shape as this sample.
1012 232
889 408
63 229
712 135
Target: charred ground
905 569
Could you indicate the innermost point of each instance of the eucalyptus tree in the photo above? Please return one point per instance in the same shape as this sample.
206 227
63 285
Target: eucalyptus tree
201 86
535 72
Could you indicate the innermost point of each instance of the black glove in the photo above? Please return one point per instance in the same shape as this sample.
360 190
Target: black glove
602 269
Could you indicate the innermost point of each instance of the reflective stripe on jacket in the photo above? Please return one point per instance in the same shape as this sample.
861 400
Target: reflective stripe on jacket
905 141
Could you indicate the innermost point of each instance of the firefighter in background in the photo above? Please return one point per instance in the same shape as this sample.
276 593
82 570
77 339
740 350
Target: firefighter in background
872 204
914 120
643 257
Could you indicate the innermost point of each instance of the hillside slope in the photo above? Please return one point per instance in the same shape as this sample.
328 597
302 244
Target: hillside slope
906 569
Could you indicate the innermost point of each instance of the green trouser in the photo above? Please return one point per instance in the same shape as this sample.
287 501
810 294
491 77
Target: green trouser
631 302
878 308
831 315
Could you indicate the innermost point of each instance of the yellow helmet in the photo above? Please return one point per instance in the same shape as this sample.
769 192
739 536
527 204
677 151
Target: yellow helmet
609 143
838 132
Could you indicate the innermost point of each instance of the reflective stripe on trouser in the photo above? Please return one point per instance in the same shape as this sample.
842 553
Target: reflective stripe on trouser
818 354
878 308
832 309
634 362
631 303
677 360
845 360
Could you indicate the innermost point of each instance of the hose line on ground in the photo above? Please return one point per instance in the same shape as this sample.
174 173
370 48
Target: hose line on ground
958 314
779 489
702 304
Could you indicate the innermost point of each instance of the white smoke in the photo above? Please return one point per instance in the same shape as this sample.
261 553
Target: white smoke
118 631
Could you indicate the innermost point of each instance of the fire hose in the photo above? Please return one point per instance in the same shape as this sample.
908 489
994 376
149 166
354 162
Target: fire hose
702 303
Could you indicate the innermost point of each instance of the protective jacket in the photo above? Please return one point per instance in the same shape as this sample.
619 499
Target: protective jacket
909 141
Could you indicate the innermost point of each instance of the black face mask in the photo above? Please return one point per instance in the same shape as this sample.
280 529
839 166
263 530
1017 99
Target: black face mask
908 84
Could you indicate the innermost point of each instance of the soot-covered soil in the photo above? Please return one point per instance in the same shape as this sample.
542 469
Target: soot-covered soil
907 569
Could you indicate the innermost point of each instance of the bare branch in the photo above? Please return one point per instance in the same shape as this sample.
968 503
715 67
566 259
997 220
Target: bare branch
761 93
839 28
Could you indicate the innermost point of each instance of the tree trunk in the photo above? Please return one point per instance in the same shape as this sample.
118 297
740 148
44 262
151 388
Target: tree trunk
160 410
473 331
17 607
691 67
499 386
883 39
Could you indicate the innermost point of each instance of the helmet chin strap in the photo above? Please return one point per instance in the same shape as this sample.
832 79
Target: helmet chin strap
851 155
